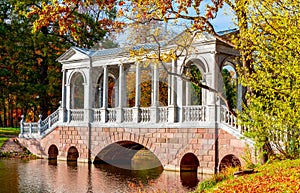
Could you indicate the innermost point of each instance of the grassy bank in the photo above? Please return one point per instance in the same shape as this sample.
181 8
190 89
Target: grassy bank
7 132
276 176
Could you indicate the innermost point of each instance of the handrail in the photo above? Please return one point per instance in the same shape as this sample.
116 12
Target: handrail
39 127
194 113
230 120
190 114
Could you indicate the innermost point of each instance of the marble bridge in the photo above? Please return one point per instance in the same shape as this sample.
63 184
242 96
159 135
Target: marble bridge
114 108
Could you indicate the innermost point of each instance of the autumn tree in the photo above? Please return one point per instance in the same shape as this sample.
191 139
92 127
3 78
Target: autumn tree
272 111
28 67
29 70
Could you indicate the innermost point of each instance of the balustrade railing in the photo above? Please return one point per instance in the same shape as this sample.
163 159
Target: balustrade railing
49 121
30 128
97 115
111 115
190 114
163 114
76 115
230 120
145 114
128 114
40 126
194 113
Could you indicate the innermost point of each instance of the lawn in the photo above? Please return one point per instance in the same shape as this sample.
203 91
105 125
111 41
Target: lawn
6 132
277 176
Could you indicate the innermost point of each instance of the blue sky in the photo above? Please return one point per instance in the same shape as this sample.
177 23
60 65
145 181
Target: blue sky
223 21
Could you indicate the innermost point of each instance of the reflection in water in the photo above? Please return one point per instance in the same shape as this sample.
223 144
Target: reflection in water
189 179
135 176
50 176
72 164
52 162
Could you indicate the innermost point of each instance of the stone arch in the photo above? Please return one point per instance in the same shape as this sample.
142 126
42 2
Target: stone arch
127 136
69 81
112 102
229 60
123 154
189 162
240 91
229 160
77 82
229 78
194 94
72 154
200 62
52 152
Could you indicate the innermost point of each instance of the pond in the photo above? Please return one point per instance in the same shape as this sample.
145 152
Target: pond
59 176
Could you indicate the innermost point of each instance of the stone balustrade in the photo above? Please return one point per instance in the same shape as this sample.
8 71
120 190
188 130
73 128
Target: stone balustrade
40 128
132 117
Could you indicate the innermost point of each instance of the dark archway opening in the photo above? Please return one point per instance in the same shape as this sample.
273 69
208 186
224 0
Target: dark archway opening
52 152
52 155
189 162
229 161
130 161
72 154
188 171
128 155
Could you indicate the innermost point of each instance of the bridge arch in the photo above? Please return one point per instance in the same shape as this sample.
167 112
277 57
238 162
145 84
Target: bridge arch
72 154
52 152
189 162
229 160
128 155
128 136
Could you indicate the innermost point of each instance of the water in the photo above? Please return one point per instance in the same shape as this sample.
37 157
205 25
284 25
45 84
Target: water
59 177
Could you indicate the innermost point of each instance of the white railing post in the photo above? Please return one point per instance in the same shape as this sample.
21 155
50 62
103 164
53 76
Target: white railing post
40 124
30 128
22 125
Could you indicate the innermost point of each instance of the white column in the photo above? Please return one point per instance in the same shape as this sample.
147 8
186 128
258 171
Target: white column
120 114
105 87
105 95
87 95
68 97
181 94
155 86
155 93
137 85
172 108
62 112
174 84
188 96
136 109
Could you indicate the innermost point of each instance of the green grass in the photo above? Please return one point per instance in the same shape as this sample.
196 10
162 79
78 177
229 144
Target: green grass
3 140
5 132
9 131
276 176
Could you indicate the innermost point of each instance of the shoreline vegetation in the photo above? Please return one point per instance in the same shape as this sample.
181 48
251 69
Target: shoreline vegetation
274 176
10 146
